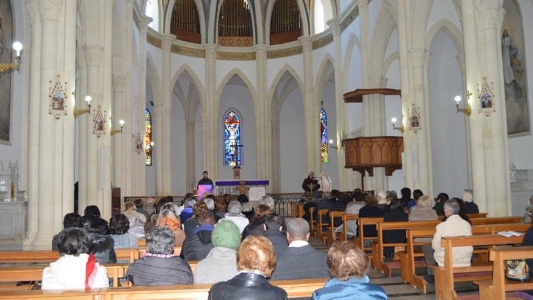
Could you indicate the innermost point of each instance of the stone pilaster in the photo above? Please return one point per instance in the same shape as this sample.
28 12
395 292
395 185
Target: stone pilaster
210 114
163 163
262 110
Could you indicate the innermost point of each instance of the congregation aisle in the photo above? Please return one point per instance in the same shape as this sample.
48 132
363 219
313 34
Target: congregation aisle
395 288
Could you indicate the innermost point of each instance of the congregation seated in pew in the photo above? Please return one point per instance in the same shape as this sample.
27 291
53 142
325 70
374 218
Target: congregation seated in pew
255 262
197 245
159 266
76 268
103 245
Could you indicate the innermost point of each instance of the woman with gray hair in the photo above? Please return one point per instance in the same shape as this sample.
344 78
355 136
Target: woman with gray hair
159 266
423 210
235 215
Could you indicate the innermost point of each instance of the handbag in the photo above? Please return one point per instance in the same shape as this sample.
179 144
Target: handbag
517 269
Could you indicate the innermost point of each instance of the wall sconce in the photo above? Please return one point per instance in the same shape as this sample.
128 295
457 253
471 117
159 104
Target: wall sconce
467 110
335 145
115 131
394 127
6 68
80 111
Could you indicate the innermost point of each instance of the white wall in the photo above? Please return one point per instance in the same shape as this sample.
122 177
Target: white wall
178 149
293 144
448 141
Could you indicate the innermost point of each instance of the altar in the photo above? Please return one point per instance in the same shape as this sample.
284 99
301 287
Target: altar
256 188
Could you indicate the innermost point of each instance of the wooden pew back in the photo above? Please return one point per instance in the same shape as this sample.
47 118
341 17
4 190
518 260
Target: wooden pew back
345 219
444 276
333 215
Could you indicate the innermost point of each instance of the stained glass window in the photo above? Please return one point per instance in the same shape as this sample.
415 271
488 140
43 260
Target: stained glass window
232 140
324 157
148 138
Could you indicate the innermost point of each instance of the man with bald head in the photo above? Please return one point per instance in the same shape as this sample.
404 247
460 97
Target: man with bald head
300 260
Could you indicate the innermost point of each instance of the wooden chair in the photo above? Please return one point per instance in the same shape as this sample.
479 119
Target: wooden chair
127 254
361 222
312 222
321 228
332 235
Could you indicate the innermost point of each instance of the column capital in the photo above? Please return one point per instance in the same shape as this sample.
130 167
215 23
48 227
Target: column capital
50 9
144 21
418 56
260 51
335 25
211 50
307 43
93 55
490 17
166 41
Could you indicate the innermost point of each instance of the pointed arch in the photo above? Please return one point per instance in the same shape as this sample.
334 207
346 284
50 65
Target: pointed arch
275 100
152 77
353 42
420 20
389 60
185 68
245 79
325 72
385 25
450 30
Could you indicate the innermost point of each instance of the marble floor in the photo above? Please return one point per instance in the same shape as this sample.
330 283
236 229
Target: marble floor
395 287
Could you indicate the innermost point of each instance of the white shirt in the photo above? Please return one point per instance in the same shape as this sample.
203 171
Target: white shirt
298 244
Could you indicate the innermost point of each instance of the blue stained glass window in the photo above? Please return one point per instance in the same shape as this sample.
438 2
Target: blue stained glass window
232 140
324 156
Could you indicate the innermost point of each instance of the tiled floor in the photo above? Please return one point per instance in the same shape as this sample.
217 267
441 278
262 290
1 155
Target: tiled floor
395 287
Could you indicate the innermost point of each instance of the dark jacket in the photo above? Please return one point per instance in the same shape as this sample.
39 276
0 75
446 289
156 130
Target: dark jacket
278 240
246 286
151 270
190 225
197 245
471 208
528 241
394 236
301 263
337 289
103 248
255 228
370 212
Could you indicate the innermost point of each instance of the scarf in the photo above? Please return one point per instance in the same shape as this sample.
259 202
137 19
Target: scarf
90 271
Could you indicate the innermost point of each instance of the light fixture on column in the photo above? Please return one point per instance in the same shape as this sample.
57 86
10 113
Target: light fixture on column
7 67
80 111
394 127
467 110
115 131
335 144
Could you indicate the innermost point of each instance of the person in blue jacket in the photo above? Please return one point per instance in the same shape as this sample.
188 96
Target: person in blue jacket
348 265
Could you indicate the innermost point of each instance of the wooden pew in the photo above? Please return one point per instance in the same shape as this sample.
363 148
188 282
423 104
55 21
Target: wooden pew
377 253
331 234
312 221
345 219
127 254
496 220
360 239
497 287
294 288
408 262
446 276
34 256
35 273
141 242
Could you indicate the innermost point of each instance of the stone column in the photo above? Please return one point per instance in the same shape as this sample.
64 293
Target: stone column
341 127
164 161
120 140
375 126
262 113
47 157
417 60
138 122
210 114
311 108
462 66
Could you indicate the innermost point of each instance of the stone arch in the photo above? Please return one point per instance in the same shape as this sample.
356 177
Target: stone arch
353 42
450 30
286 69
194 79
420 21
385 25
215 11
201 18
323 76
389 60
152 77
244 78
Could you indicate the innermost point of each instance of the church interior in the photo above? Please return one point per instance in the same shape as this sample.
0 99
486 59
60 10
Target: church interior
144 95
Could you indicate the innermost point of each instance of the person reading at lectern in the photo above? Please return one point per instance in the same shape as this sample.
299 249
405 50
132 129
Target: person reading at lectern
310 184
205 180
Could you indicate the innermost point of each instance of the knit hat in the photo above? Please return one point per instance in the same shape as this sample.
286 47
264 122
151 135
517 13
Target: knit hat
226 234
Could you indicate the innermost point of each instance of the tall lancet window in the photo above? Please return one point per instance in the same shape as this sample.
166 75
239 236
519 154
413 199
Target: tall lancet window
148 138
232 139
324 156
